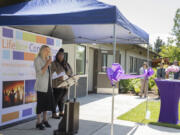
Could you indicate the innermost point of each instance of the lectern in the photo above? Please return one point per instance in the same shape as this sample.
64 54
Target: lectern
69 124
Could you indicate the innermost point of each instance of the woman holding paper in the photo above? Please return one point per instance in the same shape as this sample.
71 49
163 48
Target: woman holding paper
60 70
43 86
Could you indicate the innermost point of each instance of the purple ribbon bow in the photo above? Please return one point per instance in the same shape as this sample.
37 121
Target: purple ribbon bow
116 73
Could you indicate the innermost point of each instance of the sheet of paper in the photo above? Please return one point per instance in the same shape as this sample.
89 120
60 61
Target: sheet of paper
65 77
55 75
68 82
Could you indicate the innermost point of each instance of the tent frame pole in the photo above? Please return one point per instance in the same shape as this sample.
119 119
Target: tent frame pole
114 60
148 79
75 86
148 54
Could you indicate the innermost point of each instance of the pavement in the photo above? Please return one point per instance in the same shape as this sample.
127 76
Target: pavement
95 118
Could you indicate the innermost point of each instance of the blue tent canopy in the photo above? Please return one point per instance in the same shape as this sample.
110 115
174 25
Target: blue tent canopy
85 21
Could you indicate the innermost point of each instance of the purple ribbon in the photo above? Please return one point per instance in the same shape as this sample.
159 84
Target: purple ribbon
116 73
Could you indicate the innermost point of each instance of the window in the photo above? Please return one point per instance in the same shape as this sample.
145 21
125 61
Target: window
107 61
150 63
131 64
135 69
80 60
120 59
66 56
135 64
104 62
139 64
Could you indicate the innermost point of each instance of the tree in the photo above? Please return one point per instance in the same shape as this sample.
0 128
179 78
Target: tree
176 28
170 41
158 44
170 51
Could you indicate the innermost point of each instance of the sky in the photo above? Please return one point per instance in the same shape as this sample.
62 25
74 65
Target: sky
153 16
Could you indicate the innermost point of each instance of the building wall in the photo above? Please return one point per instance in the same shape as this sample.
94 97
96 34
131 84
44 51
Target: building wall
103 84
70 49
135 54
82 84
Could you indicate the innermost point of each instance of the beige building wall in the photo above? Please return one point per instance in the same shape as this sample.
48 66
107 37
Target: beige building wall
103 84
126 51
136 54
71 50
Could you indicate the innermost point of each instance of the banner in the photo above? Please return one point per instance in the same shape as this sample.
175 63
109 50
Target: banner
116 73
18 50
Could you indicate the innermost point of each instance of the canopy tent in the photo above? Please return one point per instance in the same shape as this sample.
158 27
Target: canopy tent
75 21
88 20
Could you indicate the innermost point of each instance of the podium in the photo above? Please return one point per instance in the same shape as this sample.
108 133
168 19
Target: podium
69 124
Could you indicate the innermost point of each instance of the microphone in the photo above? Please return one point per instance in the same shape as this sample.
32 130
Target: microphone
49 57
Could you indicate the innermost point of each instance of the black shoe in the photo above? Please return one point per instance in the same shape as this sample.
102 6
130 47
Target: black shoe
40 126
55 117
46 124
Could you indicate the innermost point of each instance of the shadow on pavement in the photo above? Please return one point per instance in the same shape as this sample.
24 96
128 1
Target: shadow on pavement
92 98
86 128
164 129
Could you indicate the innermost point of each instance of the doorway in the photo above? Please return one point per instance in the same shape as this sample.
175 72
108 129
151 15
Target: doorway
91 70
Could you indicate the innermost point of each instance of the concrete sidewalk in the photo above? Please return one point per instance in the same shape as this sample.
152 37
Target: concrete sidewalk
95 116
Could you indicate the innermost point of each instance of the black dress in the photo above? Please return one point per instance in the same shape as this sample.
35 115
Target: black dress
45 100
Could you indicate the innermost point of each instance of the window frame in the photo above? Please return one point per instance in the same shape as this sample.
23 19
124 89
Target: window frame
102 61
84 70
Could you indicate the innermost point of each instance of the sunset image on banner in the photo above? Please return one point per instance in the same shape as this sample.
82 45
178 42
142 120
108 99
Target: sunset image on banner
30 93
13 93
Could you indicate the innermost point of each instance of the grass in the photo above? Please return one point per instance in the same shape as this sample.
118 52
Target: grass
138 113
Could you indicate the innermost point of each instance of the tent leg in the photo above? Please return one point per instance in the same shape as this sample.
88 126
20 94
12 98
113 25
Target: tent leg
112 115
75 86
147 80
67 117
148 54
114 60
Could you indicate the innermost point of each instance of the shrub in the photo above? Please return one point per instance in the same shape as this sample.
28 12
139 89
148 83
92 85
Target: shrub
152 85
125 85
135 84
130 85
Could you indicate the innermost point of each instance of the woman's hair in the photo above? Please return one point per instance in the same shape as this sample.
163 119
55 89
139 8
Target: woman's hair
41 50
63 63
61 50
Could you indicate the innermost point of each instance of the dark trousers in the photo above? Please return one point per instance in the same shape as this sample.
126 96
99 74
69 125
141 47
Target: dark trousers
59 96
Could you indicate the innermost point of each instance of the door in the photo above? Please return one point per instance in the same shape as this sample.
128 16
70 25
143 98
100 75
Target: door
91 70
95 74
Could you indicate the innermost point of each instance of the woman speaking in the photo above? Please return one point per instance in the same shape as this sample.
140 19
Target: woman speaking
60 66
43 86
